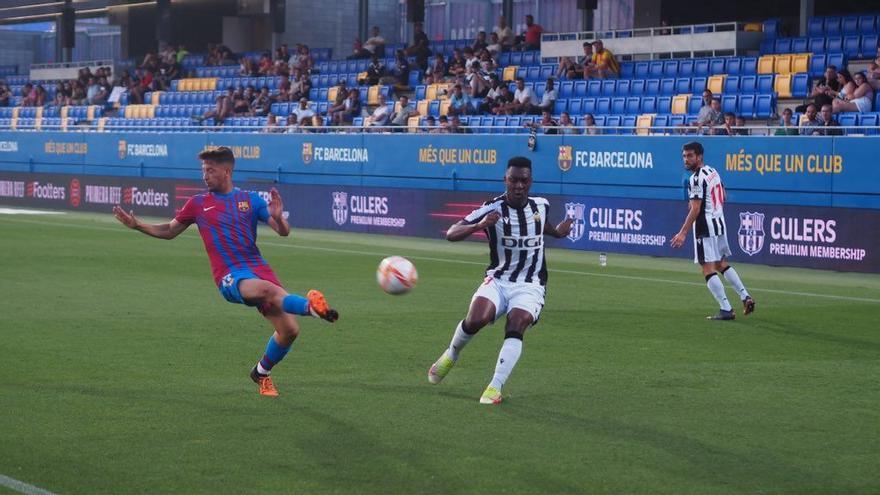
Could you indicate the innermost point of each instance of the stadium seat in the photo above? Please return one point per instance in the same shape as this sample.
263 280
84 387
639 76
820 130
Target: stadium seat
680 104
655 69
627 70
716 66
765 106
850 25
782 64
782 45
766 64
782 85
834 44
870 120
770 27
594 88
852 45
868 46
628 122
677 120
848 119
618 105
670 68
731 85
516 58
633 105
748 84
623 87
637 87
734 65
576 106
867 24
580 89
643 124
652 87
698 84
613 121
539 89
800 86
799 45
532 74
715 84
686 68
664 104
531 58
800 63
764 83
701 67
728 103
603 106
559 106
641 70
749 66
767 47
566 89
816 45
746 106
682 85
546 72
609 86
695 103
649 104
832 26
509 73
817 65
836 59
667 86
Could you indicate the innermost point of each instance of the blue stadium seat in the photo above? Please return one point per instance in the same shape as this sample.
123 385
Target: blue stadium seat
664 104
612 121
701 67
867 24
566 89
600 120
420 92
652 87
637 87
870 120
667 86
694 105
670 68
748 84
868 46
733 66
877 101
716 66
850 25
771 28
682 85
816 45
728 103
746 106
504 59
655 69
618 105
731 85
852 45
641 70
782 45
575 106
749 66
533 74
834 44
799 45
836 59
633 105
698 84
627 70
832 26
531 58
848 119
623 87
546 72
539 89
594 88
765 83
559 106
661 121
676 120
603 106
609 87
768 46
649 104
434 108
818 64
516 58
629 124
580 88
686 68
415 77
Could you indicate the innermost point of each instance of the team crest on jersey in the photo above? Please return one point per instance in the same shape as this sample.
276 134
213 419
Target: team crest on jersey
244 206
564 158
751 232
575 211
227 280
123 149
340 207
308 153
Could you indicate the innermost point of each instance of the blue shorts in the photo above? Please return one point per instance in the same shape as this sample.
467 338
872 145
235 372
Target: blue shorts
229 286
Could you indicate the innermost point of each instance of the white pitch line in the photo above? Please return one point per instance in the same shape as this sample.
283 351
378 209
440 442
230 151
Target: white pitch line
466 262
22 487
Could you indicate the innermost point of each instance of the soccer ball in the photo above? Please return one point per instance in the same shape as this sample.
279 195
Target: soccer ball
396 275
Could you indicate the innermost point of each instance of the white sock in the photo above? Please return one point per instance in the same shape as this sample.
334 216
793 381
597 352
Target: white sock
459 339
733 277
261 370
717 290
507 359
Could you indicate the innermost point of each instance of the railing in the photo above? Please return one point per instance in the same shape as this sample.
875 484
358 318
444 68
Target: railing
645 32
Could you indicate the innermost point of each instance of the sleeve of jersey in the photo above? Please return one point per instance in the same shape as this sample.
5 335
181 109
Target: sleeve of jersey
695 191
187 214
261 208
478 214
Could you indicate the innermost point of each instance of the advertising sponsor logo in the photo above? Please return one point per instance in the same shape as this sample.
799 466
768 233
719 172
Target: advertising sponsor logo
564 158
150 197
239 152
575 211
12 189
522 242
65 148
751 232
35 189
102 195
810 238
308 153
334 154
8 146
620 226
614 159
340 207
75 193
149 150
458 156
122 149
364 210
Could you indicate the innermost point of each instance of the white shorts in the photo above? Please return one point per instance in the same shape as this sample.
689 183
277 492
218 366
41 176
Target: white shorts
710 249
509 295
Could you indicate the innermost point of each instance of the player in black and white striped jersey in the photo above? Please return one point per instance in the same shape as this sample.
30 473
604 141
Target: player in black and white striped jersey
515 225
706 196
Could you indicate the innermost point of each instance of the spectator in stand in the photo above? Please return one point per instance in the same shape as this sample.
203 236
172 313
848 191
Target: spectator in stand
604 61
480 43
375 71
548 99
300 88
820 92
40 95
341 94
873 74
92 90
855 94
460 103
246 67
401 116
546 123
505 34
469 57
5 95
442 125
272 124
503 101
262 104
710 115
63 93
590 125
358 51
222 111
293 61
490 101
827 125
455 126
531 39
430 125
457 64
786 126
477 81
241 101
283 53
741 129
293 126
380 115
140 88
181 53
265 66
317 123
523 99
420 49
576 69
401 69
305 61
375 44
350 108
727 128
437 71
809 122
28 95
487 63
303 113
566 126
494 46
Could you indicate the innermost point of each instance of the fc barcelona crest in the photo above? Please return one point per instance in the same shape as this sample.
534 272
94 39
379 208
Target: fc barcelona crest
123 148
564 158
244 206
575 211
751 232
308 153
340 207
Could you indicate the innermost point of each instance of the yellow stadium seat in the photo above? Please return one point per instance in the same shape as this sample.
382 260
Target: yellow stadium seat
782 85
331 93
15 111
212 85
39 115
444 107
644 123
150 111
396 106
800 63
715 84
155 97
412 123
13 123
422 107
754 27
373 95
509 73
431 92
443 91
38 124
782 65
90 112
64 109
680 104
183 85
766 64
101 123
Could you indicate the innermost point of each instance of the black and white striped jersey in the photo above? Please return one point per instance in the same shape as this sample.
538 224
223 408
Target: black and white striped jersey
705 185
516 242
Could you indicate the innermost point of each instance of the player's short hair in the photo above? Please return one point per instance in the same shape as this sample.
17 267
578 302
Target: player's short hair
694 146
222 154
519 162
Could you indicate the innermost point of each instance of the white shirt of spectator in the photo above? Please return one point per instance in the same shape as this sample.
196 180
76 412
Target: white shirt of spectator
549 97
505 36
520 95
379 115
303 113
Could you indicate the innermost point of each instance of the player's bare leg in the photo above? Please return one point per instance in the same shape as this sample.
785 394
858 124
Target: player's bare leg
518 320
732 276
480 314
716 288
286 331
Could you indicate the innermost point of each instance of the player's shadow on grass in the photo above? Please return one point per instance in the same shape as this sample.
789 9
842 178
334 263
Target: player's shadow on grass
797 330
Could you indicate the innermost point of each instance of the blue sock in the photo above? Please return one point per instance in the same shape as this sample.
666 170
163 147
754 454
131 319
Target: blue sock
273 355
295 304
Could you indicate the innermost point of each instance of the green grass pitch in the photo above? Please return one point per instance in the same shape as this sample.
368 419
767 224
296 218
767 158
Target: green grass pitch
122 370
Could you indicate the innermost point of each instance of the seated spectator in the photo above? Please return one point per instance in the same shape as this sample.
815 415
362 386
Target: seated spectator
809 122
92 90
487 63
28 95
442 125
504 34
490 100
437 70
710 115
523 99
740 129
586 66
182 53
401 69
246 67
477 81
265 65
375 71
358 51
350 108
292 126
420 49
317 124
546 123
605 63
548 99
283 53
430 125
455 126
140 88
503 101
241 101
262 103
457 64
222 111
79 94
305 62
727 128
380 115
40 95
479 43
494 46
855 94
5 95
301 88
469 57
460 103
272 124
566 126
590 125
820 93
401 116
531 38
827 125
293 61
872 74
341 93
302 112
786 126
375 44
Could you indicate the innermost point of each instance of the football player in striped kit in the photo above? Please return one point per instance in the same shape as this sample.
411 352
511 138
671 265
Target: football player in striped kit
515 225
706 215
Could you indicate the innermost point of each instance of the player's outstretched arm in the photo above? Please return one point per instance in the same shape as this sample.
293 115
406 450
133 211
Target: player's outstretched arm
276 214
561 229
678 239
462 230
168 230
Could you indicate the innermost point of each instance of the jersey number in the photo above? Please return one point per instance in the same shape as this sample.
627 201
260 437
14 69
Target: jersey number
718 195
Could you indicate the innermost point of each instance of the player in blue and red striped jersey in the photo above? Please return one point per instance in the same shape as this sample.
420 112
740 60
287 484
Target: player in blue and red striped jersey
227 219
